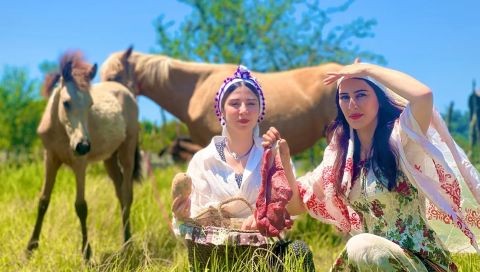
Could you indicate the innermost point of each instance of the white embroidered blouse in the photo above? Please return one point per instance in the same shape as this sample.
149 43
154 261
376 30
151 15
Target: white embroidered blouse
214 180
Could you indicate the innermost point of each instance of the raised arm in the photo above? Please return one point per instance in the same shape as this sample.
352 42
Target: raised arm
418 94
295 205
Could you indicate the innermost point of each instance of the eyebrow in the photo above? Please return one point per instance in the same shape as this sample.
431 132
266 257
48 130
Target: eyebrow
248 99
355 92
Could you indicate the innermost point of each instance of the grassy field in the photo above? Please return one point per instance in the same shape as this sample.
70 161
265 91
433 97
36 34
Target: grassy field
153 246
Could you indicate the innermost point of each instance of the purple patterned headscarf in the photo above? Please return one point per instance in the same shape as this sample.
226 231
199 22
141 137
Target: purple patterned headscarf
241 75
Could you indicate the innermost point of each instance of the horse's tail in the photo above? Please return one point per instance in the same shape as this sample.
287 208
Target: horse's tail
137 165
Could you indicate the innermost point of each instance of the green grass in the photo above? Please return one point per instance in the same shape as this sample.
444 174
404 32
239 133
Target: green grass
153 246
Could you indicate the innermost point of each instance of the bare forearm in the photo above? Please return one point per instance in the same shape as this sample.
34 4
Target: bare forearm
418 94
272 136
295 205
401 83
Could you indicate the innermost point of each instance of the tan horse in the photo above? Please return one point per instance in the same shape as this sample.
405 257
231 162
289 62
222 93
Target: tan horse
298 103
84 123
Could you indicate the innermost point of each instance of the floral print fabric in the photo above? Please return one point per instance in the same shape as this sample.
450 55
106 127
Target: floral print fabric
431 168
396 216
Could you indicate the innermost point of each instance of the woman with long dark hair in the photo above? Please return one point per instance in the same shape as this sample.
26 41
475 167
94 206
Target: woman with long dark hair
388 168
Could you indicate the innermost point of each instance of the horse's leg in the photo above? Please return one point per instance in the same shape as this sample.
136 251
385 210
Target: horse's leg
52 163
126 157
115 173
81 206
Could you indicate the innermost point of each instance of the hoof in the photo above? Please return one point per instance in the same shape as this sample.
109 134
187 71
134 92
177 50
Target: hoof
127 235
32 245
87 253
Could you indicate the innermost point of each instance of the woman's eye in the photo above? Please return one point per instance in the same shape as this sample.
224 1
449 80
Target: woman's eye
344 98
361 95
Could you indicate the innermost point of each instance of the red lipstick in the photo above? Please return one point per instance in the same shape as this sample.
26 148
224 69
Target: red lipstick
355 116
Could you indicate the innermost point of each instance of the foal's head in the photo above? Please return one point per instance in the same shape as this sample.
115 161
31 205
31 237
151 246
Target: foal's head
74 99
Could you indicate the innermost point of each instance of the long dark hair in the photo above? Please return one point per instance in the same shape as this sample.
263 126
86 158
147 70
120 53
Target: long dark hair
384 156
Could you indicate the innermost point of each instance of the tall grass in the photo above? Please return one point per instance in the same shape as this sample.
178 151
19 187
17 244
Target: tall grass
153 246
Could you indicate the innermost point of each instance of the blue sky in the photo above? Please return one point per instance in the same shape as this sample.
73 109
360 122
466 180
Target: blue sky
437 43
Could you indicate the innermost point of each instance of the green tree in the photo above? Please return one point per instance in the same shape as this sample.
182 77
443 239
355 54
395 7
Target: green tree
20 110
457 122
47 67
265 35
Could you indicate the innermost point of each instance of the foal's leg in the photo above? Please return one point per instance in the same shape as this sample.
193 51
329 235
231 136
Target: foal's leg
126 156
81 206
115 173
52 163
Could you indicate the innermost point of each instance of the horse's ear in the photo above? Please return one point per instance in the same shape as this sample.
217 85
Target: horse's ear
93 71
127 54
67 71
49 83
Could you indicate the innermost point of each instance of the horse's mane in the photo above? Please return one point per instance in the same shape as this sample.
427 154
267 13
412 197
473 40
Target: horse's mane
80 68
155 68
49 82
80 72
111 65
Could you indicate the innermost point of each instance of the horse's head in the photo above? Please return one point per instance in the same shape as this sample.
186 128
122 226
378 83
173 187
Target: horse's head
120 68
74 99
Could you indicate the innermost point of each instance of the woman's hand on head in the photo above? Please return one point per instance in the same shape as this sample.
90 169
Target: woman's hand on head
356 69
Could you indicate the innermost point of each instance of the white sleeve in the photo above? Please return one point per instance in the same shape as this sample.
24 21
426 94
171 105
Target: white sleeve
201 191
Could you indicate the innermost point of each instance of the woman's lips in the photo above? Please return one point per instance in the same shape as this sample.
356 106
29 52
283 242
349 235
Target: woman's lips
355 116
243 121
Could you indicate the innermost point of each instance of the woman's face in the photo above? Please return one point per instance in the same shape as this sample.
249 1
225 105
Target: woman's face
358 103
241 109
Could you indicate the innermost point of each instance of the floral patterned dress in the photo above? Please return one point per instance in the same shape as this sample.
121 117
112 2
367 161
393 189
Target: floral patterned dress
392 224
397 216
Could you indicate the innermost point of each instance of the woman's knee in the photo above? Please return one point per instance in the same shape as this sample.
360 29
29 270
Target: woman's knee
368 248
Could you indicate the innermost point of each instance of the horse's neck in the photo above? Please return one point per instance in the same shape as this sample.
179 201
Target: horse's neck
169 82
50 116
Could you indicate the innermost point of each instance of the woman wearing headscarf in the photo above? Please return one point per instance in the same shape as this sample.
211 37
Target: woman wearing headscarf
230 166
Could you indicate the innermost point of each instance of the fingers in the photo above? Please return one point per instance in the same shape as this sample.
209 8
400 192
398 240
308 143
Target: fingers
270 137
253 225
245 225
249 223
331 78
273 133
284 148
181 207
176 203
353 70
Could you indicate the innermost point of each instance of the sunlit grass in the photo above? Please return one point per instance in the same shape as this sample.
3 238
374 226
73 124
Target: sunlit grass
153 246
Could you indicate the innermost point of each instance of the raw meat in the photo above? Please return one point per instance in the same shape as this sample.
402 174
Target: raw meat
271 213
